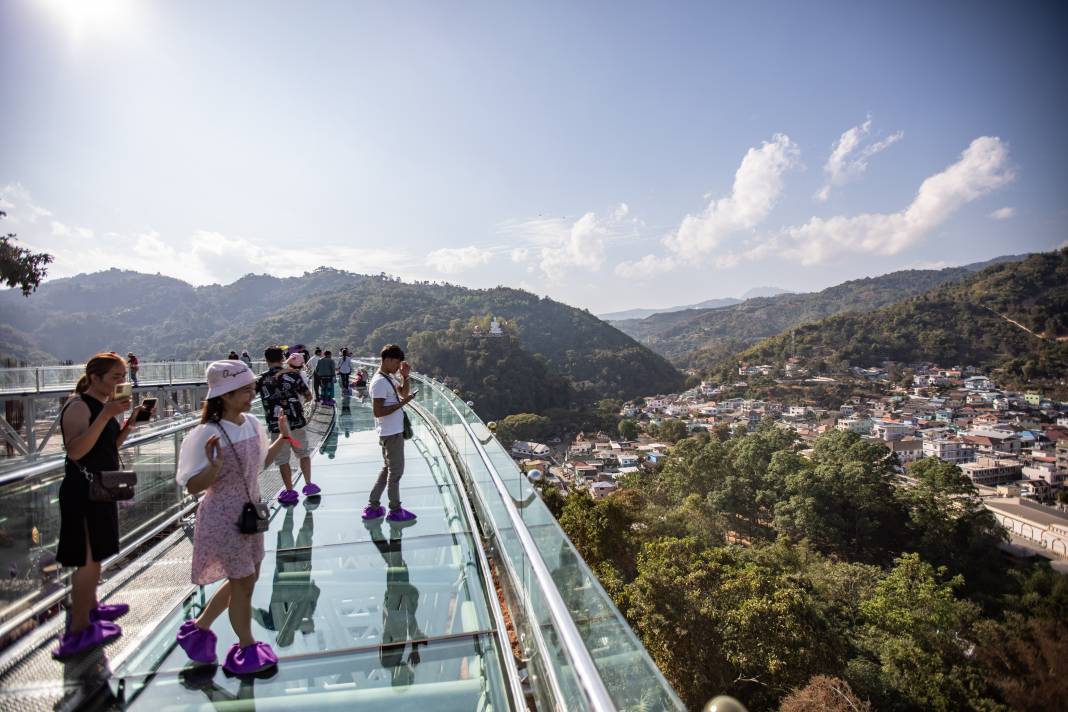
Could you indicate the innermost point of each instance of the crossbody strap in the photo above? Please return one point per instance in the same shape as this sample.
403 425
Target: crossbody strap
240 462
84 470
394 385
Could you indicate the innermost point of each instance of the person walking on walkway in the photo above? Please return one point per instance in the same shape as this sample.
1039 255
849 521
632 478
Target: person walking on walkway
285 389
223 457
89 531
388 399
134 365
344 372
313 363
246 358
324 372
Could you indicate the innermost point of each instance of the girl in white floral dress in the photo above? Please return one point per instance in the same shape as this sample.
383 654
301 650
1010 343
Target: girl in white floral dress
223 457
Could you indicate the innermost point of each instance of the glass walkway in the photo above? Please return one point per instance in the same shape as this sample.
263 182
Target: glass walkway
481 604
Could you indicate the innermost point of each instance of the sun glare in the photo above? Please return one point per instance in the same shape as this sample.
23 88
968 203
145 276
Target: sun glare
84 20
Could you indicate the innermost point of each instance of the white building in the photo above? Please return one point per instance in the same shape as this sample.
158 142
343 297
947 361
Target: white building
890 429
907 449
949 449
990 472
1043 525
856 424
529 449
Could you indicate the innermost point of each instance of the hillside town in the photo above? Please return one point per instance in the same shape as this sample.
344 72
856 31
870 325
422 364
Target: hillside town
1012 446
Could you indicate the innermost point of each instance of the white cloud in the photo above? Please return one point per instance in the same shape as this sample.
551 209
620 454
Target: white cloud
561 246
646 268
450 260
757 187
849 156
1003 213
204 257
982 168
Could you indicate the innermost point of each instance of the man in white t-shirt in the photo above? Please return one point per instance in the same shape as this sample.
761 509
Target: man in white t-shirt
388 399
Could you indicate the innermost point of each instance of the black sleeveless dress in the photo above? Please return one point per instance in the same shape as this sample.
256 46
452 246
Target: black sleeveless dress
77 514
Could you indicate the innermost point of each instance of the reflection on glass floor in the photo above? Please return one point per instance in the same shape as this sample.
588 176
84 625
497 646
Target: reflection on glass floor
357 612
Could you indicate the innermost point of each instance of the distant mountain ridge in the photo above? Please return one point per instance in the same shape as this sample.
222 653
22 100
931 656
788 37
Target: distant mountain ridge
160 317
707 304
1011 317
699 337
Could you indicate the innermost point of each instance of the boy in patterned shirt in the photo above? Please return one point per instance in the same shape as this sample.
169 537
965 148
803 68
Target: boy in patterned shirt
282 390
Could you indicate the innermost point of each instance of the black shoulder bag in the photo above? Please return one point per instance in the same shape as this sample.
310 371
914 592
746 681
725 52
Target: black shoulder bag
106 486
255 516
408 432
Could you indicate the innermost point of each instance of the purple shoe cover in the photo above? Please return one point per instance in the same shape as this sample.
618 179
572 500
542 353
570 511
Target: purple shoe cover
249 660
198 644
373 512
288 496
311 489
109 611
400 515
96 634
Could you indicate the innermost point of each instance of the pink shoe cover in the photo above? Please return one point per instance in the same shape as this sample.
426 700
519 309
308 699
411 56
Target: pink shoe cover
198 644
249 660
96 634
109 611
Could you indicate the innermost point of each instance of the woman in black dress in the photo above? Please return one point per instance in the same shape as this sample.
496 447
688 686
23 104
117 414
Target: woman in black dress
89 531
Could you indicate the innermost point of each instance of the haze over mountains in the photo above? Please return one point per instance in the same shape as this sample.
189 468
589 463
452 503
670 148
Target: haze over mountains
707 304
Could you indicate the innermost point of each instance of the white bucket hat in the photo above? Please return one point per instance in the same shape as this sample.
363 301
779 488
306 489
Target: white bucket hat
226 376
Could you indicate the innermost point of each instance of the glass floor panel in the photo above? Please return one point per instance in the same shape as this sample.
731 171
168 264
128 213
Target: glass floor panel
320 599
341 601
452 675
336 518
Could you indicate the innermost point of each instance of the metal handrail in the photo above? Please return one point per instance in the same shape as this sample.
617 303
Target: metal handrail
44 466
575 648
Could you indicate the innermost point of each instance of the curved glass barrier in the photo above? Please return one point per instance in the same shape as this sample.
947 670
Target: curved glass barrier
627 672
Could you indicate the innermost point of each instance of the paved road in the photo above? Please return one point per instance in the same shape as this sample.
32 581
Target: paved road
1027 546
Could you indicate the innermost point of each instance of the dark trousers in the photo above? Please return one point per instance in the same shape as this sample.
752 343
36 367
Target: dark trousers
316 384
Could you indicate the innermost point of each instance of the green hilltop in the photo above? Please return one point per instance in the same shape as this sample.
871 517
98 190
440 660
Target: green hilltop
159 317
1011 318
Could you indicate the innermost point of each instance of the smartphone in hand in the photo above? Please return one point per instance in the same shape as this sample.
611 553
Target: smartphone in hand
147 406
123 390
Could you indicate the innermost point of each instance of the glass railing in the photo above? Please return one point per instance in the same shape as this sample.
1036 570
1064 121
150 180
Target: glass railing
36 379
579 646
29 522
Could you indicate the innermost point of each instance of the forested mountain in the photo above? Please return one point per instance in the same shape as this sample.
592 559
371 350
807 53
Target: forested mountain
1011 317
163 318
699 337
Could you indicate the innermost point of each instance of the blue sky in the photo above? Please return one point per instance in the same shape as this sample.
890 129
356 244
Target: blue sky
610 155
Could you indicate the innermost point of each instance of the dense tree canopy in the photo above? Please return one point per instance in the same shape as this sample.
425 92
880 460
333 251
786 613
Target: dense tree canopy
751 570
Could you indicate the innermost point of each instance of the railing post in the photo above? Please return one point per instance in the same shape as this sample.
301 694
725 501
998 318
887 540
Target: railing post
37 379
30 418
170 373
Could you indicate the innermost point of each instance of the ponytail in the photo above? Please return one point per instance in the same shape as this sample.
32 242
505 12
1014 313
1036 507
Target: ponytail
212 410
99 366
